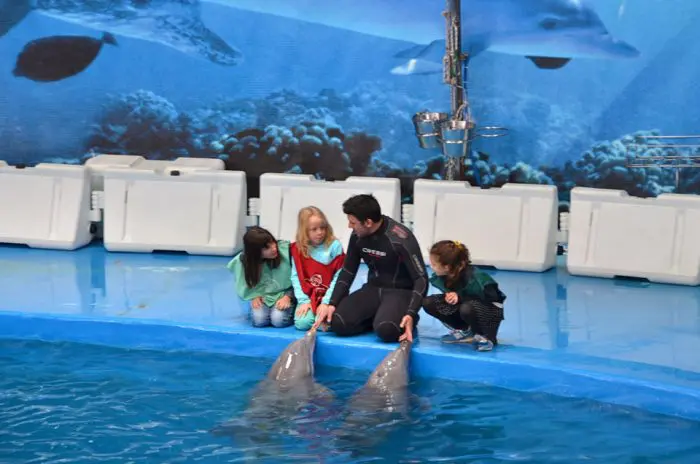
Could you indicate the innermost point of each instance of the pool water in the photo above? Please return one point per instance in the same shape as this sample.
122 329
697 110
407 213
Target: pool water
73 403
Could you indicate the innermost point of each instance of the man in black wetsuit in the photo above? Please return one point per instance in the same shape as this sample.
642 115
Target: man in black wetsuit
396 284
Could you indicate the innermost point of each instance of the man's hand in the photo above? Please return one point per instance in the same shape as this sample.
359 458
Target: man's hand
407 326
257 302
303 309
324 313
283 303
451 298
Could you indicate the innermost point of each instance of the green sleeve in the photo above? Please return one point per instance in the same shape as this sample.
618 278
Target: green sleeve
438 282
235 266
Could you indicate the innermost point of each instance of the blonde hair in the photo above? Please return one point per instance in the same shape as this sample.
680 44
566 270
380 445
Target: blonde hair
305 215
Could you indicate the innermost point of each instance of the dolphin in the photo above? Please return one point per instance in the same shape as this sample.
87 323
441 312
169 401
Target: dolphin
288 401
380 404
550 33
174 23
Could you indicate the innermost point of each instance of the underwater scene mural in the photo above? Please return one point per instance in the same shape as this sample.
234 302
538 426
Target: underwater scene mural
589 90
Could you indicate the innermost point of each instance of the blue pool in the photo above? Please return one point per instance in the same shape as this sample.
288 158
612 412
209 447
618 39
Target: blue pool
75 403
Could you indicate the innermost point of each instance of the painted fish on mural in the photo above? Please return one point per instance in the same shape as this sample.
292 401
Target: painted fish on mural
54 58
174 23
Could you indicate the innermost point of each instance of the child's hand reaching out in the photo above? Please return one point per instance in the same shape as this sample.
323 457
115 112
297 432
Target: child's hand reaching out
451 298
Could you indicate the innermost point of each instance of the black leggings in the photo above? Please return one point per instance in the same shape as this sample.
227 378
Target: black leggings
372 308
483 318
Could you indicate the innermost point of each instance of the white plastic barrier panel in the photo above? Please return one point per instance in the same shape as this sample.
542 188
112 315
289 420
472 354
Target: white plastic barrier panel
511 228
613 234
98 164
47 206
198 211
283 195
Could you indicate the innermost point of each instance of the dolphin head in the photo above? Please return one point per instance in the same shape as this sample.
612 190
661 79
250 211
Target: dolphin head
392 372
296 361
559 29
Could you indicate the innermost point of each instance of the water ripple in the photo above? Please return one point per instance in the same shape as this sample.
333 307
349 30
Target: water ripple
65 403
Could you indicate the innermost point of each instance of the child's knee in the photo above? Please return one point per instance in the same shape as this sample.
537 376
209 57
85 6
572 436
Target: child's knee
304 323
281 318
260 317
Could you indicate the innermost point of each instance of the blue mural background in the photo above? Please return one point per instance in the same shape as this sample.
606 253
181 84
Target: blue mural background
307 86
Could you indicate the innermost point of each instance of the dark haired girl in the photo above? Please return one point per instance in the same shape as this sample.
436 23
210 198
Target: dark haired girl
263 276
472 304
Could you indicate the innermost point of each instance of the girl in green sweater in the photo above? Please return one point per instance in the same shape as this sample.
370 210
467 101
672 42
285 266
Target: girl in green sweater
263 277
471 305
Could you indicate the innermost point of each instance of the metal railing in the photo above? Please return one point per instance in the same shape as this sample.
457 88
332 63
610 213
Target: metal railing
659 151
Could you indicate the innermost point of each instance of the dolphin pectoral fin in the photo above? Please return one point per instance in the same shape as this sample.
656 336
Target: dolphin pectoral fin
434 51
191 37
417 67
323 392
227 429
427 59
544 62
423 404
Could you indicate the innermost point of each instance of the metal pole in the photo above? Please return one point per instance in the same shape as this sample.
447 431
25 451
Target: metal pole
454 52
454 167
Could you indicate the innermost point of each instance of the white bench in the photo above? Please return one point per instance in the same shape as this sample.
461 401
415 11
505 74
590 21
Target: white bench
511 228
47 206
283 195
612 234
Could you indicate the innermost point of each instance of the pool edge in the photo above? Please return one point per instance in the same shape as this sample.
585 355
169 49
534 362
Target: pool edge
430 359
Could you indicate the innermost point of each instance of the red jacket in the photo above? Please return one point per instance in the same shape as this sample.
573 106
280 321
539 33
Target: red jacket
315 278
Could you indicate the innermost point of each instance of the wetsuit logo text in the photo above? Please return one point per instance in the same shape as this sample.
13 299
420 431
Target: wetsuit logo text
375 253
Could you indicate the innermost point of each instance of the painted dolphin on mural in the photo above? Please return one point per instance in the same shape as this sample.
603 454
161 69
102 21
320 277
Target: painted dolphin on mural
550 33
288 401
382 402
173 23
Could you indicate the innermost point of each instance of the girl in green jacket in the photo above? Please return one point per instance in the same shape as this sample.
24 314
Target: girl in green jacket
471 305
263 277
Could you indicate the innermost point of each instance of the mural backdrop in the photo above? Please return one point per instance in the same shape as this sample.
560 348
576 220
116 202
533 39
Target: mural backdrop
325 87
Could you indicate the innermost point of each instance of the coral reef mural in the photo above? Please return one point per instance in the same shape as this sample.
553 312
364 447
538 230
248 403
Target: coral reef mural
311 87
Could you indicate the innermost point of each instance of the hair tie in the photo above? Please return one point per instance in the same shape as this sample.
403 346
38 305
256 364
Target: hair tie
457 243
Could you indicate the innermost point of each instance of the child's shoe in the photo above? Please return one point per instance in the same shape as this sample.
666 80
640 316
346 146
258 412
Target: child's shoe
482 343
458 336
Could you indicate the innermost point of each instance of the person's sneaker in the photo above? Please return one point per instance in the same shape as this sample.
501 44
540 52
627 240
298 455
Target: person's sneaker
482 343
458 336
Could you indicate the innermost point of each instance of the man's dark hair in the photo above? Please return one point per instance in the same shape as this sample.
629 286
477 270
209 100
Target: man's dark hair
363 207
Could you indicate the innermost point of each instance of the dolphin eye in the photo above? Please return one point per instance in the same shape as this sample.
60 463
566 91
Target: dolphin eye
549 23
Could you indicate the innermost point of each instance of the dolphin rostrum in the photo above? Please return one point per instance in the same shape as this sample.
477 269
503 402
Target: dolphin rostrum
174 23
287 395
549 33
383 400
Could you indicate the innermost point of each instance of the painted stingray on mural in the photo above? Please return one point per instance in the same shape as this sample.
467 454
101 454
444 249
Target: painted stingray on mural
550 33
173 23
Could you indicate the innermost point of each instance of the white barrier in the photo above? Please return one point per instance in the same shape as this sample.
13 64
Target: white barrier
613 234
195 211
283 195
47 206
511 228
100 163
